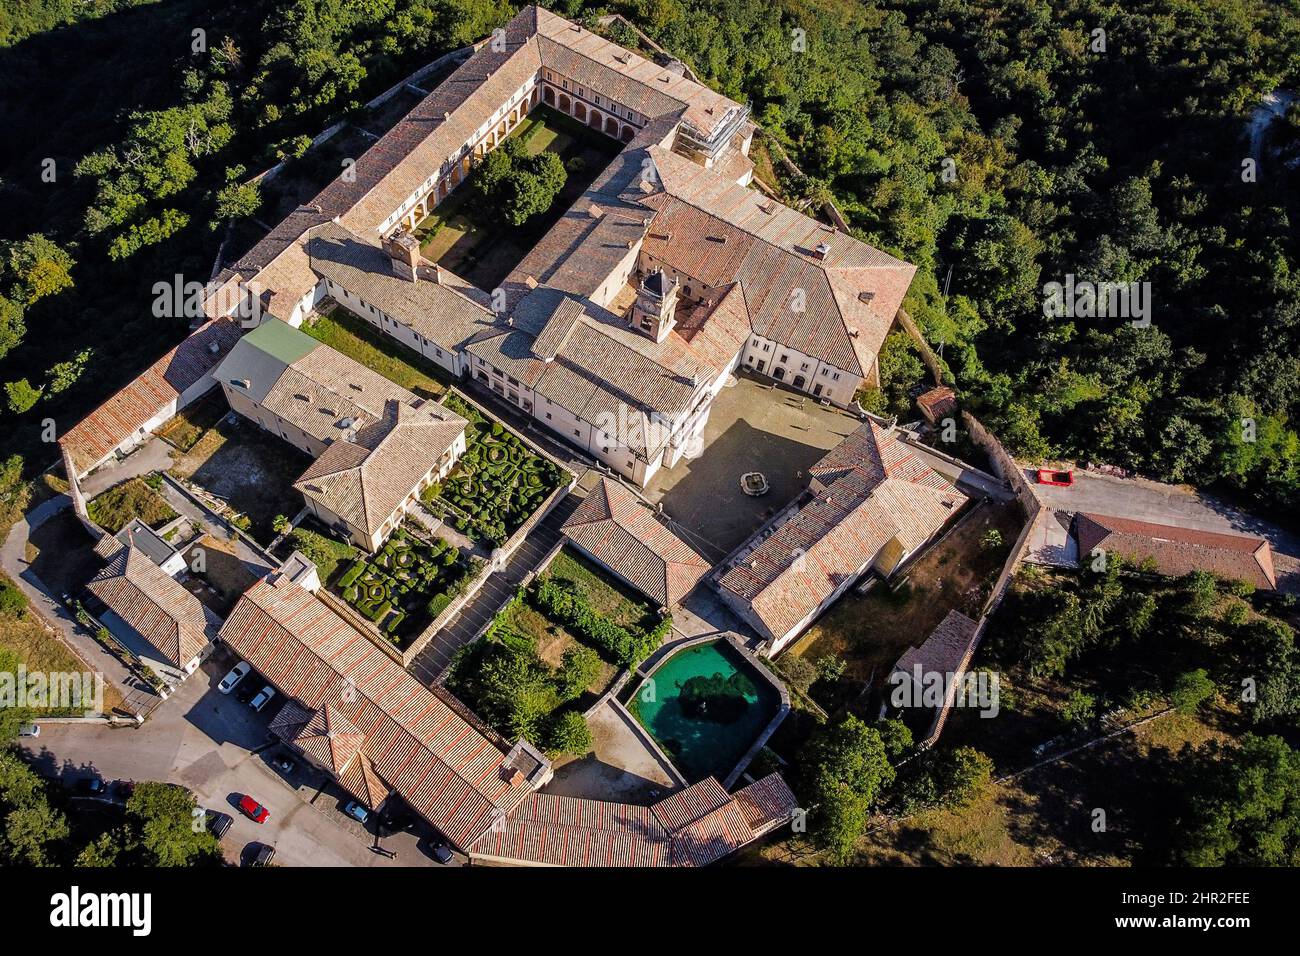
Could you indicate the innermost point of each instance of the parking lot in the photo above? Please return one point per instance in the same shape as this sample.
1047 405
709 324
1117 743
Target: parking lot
220 748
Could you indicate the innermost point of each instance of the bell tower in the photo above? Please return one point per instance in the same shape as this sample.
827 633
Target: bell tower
655 311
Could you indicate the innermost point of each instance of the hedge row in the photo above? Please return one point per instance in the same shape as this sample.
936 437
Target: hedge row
569 607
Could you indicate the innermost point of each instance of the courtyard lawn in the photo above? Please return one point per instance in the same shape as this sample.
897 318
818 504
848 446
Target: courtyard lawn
404 586
483 253
497 484
318 543
530 676
870 632
113 509
358 339
606 595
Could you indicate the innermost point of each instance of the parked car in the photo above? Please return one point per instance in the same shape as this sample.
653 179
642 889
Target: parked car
217 822
253 810
92 786
357 812
441 852
397 822
237 673
1049 476
29 730
263 698
124 788
264 855
283 763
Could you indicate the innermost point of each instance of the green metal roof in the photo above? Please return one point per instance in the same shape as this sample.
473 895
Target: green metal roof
281 341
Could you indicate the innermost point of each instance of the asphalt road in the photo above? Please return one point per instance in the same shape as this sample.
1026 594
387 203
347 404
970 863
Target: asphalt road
218 747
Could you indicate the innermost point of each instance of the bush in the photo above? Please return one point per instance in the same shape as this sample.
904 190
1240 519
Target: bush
12 600
567 733
570 608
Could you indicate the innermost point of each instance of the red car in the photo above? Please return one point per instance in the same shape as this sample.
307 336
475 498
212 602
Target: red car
253 810
1047 476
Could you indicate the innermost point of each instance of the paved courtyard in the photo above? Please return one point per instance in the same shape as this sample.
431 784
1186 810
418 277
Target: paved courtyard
621 767
752 427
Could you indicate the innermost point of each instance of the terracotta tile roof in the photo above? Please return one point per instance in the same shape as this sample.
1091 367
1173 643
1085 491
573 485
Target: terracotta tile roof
364 481
693 827
328 737
606 67
947 649
620 532
99 433
154 603
1177 551
766 803
850 297
938 402
869 492
445 769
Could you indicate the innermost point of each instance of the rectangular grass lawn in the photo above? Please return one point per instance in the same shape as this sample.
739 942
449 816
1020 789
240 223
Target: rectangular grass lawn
359 340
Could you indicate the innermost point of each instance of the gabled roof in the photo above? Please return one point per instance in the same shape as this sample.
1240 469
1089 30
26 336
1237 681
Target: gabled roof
869 491
721 231
693 827
99 433
615 528
364 480
441 307
1177 551
449 772
166 615
323 392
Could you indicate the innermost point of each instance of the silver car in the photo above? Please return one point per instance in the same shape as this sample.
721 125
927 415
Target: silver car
237 673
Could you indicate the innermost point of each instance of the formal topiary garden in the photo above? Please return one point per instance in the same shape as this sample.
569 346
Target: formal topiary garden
405 585
497 484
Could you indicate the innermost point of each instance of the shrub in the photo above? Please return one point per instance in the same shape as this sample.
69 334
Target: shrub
567 733
438 604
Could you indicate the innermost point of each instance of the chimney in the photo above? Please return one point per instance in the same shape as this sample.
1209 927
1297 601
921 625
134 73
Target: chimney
822 251
596 211
530 282
404 249
866 296
437 274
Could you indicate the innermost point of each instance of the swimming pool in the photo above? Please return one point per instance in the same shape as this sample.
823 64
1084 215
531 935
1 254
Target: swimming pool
705 707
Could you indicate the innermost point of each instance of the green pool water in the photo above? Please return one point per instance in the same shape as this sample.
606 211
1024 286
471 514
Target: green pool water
707 724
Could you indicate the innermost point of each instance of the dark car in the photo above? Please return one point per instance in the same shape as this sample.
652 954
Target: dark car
218 823
92 787
259 854
397 822
124 788
441 852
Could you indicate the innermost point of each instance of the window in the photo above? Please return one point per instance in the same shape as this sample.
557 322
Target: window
836 376
784 359
767 347
803 367
548 416
577 433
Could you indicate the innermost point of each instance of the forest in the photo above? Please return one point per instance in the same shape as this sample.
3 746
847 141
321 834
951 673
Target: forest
1000 146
